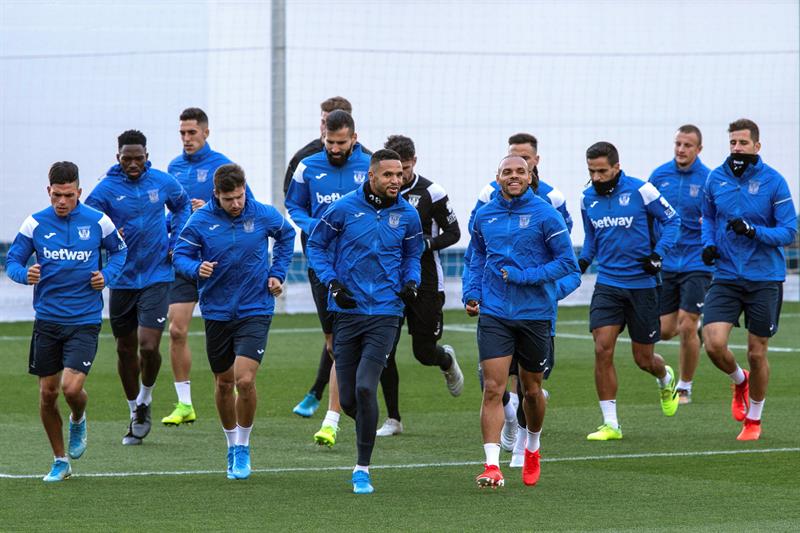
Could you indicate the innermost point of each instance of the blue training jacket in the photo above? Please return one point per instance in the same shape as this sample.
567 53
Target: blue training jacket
617 231
137 208
526 233
68 251
761 197
195 172
317 184
238 286
684 190
373 252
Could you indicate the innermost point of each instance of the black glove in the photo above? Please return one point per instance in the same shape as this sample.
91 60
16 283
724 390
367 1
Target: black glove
741 227
651 263
584 264
342 296
710 254
408 293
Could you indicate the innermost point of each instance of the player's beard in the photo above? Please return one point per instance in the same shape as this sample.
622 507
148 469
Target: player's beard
339 162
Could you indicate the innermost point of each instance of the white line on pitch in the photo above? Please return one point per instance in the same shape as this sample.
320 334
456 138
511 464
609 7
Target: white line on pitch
706 453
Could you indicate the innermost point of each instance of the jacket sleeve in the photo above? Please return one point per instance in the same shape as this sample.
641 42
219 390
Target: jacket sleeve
181 207
670 222
785 230
20 251
709 225
184 256
568 284
560 203
589 246
476 265
116 248
557 240
298 201
410 269
283 248
446 219
324 235
97 199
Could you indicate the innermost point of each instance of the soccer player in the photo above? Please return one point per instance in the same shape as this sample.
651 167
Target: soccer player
225 246
67 238
134 195
521 246
366 250
320 180
748 217
194 169
685 278
425 318
617 212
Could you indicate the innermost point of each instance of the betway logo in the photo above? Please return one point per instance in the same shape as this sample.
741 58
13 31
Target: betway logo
328 198
62 254
612 222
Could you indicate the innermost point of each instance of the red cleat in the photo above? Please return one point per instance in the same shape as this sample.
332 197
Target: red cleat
491 477
531 468
751 430
740 401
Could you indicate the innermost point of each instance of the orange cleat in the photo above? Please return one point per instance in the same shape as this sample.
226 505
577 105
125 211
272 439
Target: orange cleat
751 430
491 477
531 468
740 401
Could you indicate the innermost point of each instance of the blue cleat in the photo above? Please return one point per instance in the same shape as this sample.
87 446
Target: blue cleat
60 471
307 406
241 462
231 453
362 483
77 438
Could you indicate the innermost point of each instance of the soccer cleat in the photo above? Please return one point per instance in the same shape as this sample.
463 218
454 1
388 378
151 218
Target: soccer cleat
509 434
751 430
606 432
141 423
241 462
684 396
740 402
669 395
129 439
231 453
517 460
307 406
182 414
453 375
390 427
77 438
531 468
60 471
491 477
326 436
362 484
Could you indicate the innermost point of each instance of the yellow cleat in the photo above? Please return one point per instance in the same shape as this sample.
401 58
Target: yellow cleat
606 432
326 436
183 414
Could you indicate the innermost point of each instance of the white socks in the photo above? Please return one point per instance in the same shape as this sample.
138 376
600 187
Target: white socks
510 409
737 376
132 407
145 395
754 413
665 381
360 468
609 409
685 385
243 435
521 440
184 390
230 436
331 419
492 451
533 441
77 421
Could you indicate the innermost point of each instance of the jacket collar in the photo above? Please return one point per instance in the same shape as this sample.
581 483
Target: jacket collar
694 167
116 171
748 173
199 155
514 203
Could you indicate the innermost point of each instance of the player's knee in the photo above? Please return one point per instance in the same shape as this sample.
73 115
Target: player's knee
686 328
603 354
245 384
424 351
715 348
493 390
148 349
178 332
757 357
225 386
348 405
48 395
364 393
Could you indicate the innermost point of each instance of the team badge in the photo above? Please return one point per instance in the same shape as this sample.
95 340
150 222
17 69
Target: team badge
359 176
202 175
249 225
524 221
394 220
413 199
694 190
624 199
153 194
84 232
752 188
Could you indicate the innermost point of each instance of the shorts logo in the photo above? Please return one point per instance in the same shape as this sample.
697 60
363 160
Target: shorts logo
700 305
153 194
394 220
249 225
161 320
652 333
413 199
359 176
84 232
694 190
438 329
202 175
752 188
624 199
87 363
260 352
524 221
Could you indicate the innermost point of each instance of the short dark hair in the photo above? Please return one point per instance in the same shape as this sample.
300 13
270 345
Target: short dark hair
745 124
383 155
691 128
63 172
336 102
338 119
523 138
131 137
194 113
603 149
401 144
228 178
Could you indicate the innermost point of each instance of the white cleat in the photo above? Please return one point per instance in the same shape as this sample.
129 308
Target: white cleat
389 428
509 434
453 375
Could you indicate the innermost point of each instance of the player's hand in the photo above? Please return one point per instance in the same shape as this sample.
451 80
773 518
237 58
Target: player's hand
98 281
651 263
34 274
197 204
741 227
408 293
275 286
710 255
584 265
473 308
342 296
511 274
206 269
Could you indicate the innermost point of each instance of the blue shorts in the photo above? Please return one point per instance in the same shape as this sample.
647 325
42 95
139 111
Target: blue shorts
356 336
225 340
55 347
636 308
683 290
183 290
529 341
320 294
760 300
132 308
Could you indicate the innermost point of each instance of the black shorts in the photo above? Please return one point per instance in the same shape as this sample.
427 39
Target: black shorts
529 341
132 308
183 291
320 294
760 300
683 290
55 347
227 339
636 308
425 317
369 336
